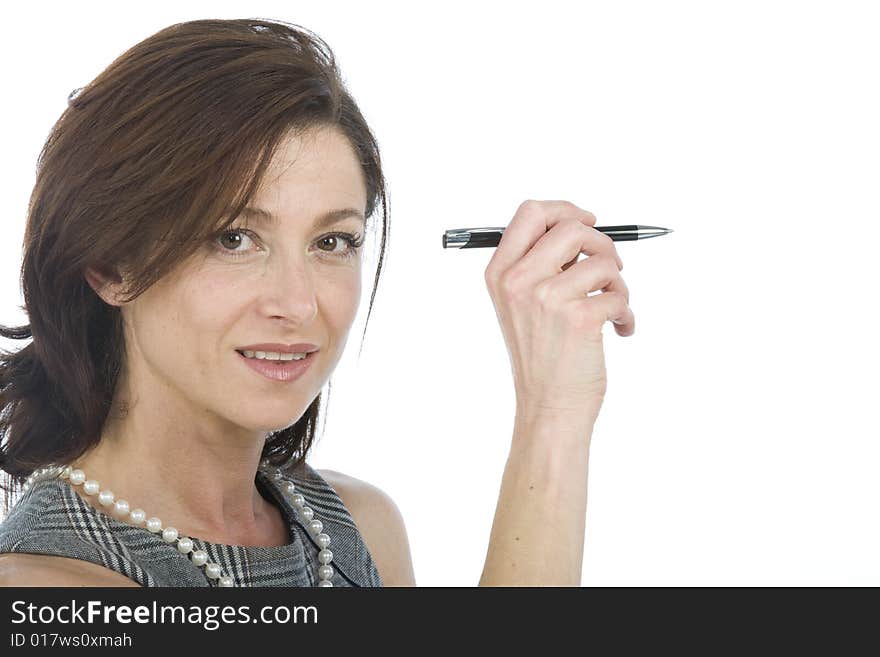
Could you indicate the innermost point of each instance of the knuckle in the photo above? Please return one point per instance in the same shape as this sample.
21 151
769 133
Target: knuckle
544 297
541 295
579 210
573 227
510 283
588 232
529 205
610 247
490 277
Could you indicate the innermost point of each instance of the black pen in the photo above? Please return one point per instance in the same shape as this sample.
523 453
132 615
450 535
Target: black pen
479 238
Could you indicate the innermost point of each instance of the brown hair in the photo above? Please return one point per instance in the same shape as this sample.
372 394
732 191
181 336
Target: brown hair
157 154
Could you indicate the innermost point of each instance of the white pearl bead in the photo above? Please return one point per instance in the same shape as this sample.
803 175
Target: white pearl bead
185 544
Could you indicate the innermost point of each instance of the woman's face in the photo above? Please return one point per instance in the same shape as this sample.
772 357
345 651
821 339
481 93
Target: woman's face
286 282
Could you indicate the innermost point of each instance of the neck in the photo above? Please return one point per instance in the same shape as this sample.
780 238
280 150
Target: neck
197 478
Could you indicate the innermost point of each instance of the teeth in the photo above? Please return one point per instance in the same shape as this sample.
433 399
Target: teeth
272 355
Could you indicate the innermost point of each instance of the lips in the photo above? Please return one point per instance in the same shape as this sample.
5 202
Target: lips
282 371
273 360
282 348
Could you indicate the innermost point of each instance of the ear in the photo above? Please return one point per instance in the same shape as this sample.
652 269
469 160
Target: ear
106 284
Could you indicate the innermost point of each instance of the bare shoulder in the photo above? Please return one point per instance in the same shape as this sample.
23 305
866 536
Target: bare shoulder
340 481
24 569
357 495
380 523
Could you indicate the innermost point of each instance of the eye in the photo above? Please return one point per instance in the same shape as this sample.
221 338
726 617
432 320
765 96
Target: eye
229 243
234 238
354 243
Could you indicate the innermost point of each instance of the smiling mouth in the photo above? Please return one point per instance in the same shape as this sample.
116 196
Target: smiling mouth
274 357
284 371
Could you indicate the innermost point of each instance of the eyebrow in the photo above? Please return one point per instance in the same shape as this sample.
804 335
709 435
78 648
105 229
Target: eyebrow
326 219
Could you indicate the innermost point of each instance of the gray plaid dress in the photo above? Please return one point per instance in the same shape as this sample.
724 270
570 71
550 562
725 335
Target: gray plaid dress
51 518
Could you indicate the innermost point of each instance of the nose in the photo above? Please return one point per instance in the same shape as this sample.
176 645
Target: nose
289 292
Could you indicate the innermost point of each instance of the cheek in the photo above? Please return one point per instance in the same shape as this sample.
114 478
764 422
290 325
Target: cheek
340 301
159 338
208 319
185 327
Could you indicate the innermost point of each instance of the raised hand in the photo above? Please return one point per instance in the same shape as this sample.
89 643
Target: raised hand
552 329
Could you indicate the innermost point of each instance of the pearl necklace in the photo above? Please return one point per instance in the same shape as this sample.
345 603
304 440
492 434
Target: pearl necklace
138 518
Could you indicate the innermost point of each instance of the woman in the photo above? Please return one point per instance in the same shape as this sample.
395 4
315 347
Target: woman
191 272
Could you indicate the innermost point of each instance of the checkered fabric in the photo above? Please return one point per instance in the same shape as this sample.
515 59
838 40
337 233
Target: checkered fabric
51 518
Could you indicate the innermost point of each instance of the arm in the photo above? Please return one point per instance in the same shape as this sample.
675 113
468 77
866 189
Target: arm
537 536
552 327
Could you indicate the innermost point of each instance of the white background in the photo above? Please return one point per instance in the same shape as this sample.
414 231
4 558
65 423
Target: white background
738 441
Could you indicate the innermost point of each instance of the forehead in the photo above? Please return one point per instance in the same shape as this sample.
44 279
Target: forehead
257 215
317 174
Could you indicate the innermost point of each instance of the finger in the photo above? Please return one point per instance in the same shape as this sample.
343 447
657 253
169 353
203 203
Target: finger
627 325
617 259
597 273
560 247
610 306
531 221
